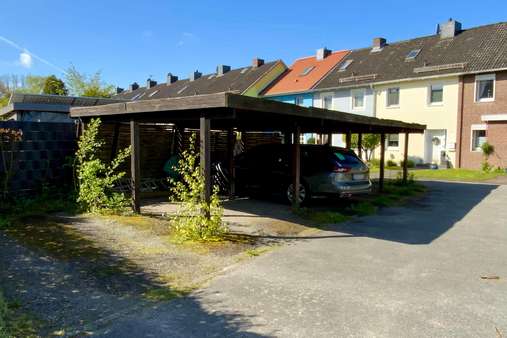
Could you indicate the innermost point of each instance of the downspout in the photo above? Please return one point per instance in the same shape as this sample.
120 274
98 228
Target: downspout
460 121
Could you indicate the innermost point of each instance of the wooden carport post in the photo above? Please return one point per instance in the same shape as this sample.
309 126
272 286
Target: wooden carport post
348 140
296 166
405 160
360 145
135 166
231 141
205 158
382 161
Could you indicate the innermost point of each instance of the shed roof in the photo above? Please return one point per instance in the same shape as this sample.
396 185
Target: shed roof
472 50
50 103
247 113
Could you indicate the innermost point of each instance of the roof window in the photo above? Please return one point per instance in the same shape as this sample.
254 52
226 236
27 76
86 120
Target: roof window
345 65
412 54
307 70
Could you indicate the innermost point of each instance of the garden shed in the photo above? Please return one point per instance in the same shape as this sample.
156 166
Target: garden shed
231 112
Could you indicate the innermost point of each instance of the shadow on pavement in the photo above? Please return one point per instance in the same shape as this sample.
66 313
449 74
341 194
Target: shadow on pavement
418 222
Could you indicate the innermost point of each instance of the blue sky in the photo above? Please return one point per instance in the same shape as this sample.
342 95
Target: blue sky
132 40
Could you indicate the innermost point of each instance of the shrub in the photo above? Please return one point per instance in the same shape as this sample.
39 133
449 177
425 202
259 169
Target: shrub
410 163
391 163
95 178
311 140
374 163
487 150
3 314
191 222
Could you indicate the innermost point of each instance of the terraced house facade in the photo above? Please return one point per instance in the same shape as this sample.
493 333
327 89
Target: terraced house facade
454 81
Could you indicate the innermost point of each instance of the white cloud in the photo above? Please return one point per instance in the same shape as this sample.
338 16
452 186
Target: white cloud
27 55
25 60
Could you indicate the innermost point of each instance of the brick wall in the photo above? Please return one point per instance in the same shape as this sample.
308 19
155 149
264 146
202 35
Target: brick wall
472 111
40 157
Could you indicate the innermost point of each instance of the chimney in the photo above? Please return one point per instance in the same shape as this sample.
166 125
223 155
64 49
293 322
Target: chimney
323 53
448 29
257 62
195 75
222 69
150 83
119 90
171 78
133 86
379 43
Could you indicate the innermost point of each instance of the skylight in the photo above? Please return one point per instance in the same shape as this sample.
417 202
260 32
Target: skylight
412 54
345 65
244 70
155 92
307 70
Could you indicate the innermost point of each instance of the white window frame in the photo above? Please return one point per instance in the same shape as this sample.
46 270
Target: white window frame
387 98
323 97
473 128
392 147
484 77
430 89
352 95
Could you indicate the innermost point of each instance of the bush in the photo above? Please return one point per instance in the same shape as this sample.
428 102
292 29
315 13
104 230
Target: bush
3 320
374 163
410 164
487 150
191 222
311 140
391 163
95 178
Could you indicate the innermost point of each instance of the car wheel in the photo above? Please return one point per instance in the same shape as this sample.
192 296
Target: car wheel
304 193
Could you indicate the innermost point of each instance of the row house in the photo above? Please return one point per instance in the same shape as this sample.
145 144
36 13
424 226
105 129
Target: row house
454 82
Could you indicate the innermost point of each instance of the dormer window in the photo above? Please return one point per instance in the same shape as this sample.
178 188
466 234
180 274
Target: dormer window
345 65
307 70
412 54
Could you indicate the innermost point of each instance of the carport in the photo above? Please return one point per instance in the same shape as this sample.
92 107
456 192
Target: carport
232 112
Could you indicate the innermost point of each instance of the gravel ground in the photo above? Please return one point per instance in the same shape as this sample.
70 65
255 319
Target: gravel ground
77 274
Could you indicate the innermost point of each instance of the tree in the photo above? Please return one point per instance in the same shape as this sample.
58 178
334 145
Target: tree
54 86
369 143
81 84
29 84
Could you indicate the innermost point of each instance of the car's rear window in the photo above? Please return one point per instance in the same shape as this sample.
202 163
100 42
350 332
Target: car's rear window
347 158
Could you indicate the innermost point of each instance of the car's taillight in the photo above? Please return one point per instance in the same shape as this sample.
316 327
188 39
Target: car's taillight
337 169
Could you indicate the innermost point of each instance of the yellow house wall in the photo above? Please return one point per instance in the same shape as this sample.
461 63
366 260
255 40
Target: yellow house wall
414 107
266 80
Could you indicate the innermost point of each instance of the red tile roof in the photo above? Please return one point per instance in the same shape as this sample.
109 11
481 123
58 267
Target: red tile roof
305 73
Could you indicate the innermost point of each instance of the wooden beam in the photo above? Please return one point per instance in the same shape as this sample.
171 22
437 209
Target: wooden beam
114 142
405 159
296 166
135 166
231 142
205 164
360 145
382 162
348 140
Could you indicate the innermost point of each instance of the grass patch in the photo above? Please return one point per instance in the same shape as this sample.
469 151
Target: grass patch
363 209
321 217
15 323
163 294
257 251
467 175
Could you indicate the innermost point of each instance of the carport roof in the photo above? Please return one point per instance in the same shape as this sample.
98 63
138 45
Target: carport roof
228 110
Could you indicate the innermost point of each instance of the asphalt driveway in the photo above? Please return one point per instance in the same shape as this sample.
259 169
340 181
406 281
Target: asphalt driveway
413 271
